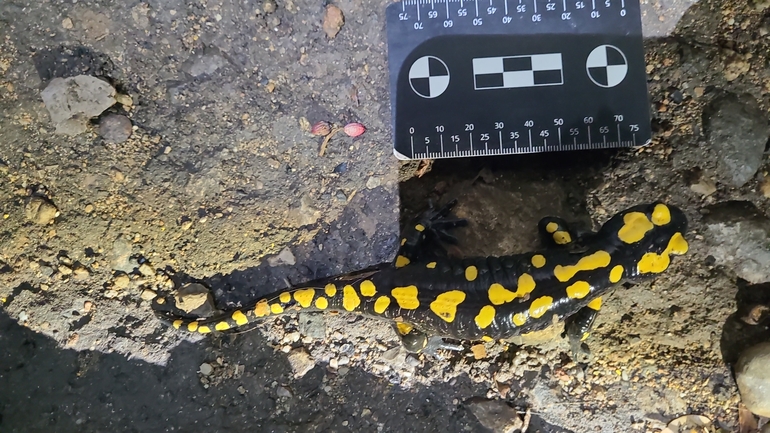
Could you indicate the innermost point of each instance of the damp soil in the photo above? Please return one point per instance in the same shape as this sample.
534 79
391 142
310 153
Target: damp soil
220 183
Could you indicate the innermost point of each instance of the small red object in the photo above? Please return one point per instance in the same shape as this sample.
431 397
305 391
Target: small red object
354 129
321 128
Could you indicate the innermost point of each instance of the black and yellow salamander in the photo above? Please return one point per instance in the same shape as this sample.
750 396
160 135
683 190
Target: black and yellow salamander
428 298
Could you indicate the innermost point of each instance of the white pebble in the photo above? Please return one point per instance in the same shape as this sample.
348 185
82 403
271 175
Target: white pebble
205 369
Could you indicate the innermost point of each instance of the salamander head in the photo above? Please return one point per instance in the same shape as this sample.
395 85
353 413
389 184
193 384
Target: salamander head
647 235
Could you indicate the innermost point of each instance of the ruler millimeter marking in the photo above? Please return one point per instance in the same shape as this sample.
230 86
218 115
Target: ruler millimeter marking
496 77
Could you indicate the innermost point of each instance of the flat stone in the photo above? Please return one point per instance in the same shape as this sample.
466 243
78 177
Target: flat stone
115 128
73 101
737 130
40 210
312 325
739 235
496 415
195 299
752 374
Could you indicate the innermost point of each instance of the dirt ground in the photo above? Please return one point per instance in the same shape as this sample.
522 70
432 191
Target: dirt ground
221 182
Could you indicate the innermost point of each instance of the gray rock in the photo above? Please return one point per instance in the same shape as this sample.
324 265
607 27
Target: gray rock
737 131
73 101
115 128
312 325
739 236
205 63
285 257
120 257
496 415
752 373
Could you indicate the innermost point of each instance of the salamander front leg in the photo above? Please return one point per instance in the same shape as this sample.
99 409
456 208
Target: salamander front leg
578 328
555 232
427 232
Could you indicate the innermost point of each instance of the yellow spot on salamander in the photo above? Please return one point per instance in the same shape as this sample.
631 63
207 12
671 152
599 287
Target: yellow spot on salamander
239 318
654 263
551 227
485 316
262 309
285 297
431 265
419 227
404 328
204 330
381 304
578 290
661 215
330 290
596 304
585 336
403 241
471 273
276 309
177 324
616 273
519 319
304 297
487 338
350 299
321 303
538 260
222 326
406 297
526 284
599 259
562 238
445 305
367 288
401 261
677 245
192 326
540 306
635 226
499 295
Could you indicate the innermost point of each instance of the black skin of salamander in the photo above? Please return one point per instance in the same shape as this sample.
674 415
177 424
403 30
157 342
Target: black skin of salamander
449 274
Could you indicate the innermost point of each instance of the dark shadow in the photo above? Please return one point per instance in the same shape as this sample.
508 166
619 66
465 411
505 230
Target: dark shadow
44 388
750 324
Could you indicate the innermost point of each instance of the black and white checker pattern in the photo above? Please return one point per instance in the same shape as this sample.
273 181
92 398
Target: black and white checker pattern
429 76
518 71
606 66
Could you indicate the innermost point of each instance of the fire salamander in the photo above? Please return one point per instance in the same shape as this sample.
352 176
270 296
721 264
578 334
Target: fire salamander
428 298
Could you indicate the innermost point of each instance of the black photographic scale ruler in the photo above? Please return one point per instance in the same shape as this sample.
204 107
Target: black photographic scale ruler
497 77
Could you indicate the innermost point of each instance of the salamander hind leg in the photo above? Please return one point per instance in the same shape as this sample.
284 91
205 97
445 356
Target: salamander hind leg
423 236
417 341
577 328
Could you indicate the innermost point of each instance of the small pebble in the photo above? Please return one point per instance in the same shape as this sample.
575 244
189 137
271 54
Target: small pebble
47 271
205 369
186 225
64 270
242 390
81 273
40 210
87 306
23 316
333 21
121 281
124 100
66 23
89 208
146 270
148 294
115 128
284 392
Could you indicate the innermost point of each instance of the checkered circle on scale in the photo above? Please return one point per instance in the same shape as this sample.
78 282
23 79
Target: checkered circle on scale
606 66
429 76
